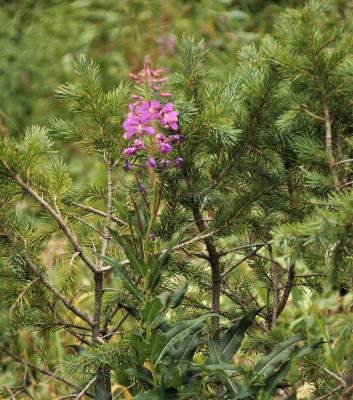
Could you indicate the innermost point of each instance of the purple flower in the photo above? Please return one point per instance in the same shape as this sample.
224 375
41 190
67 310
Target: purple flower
174 138
141 188
139 144
151 161
126 166
159 138
169 117
148 110
152 236
165 148
179 162
134 126
130 151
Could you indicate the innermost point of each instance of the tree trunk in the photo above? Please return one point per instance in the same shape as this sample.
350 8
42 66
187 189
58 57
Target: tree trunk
103 385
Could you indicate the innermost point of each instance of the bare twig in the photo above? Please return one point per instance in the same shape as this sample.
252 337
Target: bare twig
275 286
328 395
12 396
124 390
287 289
84 390
99 212
251 254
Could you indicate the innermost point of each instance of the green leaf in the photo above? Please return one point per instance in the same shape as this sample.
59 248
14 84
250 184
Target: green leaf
150 395
155 345
275 379
152 308
181 331
230 341
120 271
138 265
140 347
142 373
282 352
178 296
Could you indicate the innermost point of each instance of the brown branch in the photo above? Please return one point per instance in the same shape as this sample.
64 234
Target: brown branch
35 367
347 394
98 212
251 254
68 233
287 290
67 303
84 390
98 277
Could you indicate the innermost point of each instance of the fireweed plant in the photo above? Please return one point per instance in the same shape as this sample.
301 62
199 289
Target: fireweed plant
166 272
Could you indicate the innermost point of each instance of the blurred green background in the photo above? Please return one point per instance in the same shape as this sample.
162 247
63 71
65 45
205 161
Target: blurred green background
39 40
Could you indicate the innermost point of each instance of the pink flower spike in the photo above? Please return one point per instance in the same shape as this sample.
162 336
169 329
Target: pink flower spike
134 96
164 94
167 107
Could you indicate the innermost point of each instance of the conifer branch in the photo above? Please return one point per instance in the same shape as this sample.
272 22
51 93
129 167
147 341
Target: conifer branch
287 290
68 233
213 256
232 267
329 150
67 303
98 212
84 390
35 367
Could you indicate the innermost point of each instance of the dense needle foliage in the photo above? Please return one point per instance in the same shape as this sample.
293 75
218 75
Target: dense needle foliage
180 225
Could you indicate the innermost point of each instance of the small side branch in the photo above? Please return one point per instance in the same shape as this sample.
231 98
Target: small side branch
329 147
287 289
35 367
99 212
68 233
231 268
67 303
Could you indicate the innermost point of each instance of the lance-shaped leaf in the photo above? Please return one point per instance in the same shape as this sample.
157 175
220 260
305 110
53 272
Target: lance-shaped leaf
138 265
230 341
178 296
174 302
222 350
152 308
180 332
275 379
282 352
120 271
